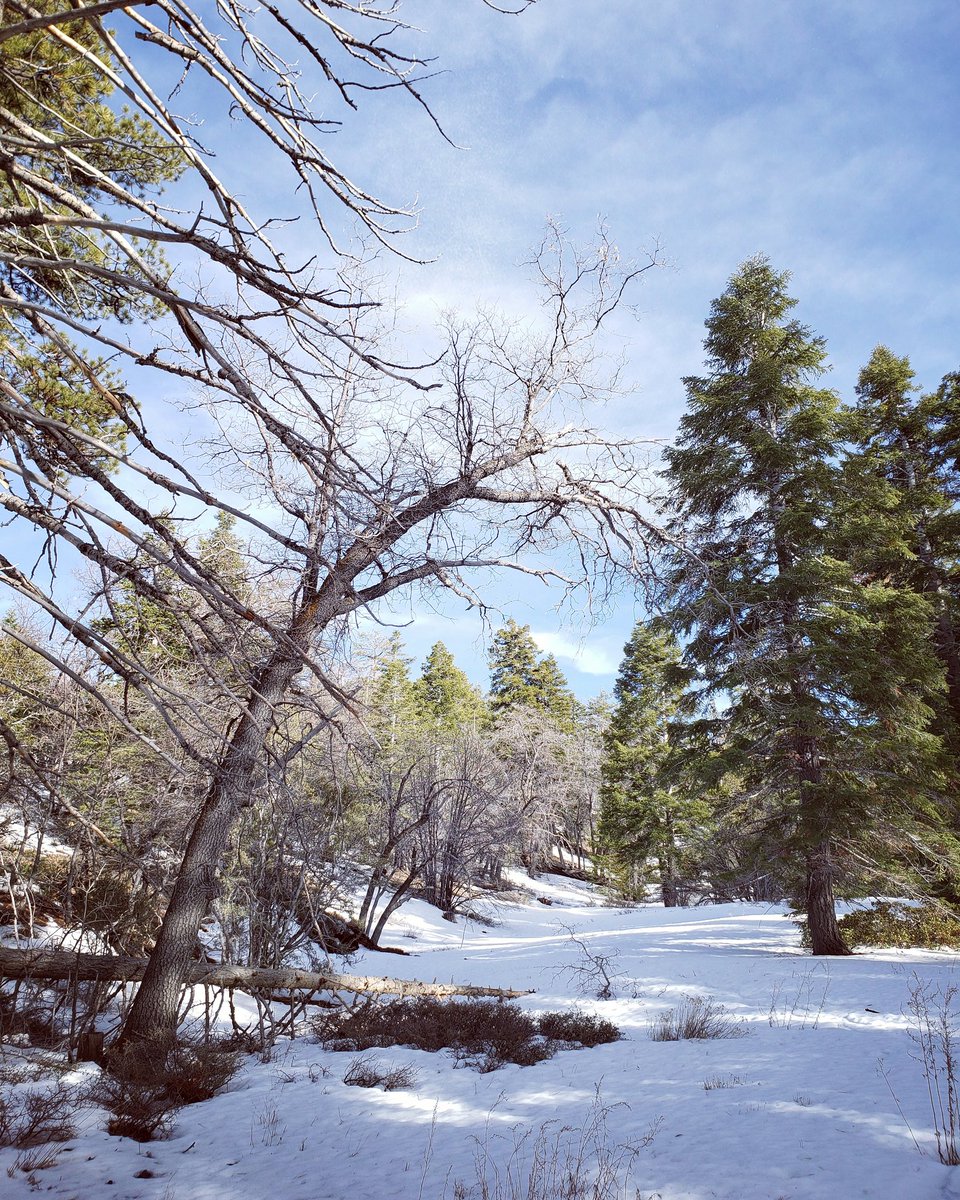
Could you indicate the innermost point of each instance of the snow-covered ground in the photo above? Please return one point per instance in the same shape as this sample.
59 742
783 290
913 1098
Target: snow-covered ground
821 1099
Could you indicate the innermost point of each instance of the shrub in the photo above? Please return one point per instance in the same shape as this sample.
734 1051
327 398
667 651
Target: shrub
697 1018
890 923
144 1091
484 1033
577 1026
34 1118
369 1072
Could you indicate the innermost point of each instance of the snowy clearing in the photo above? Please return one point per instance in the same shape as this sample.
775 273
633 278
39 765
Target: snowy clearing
795 1109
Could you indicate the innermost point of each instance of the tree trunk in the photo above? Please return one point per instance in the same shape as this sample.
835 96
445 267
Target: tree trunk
825 936
153 1014
62 964
668 881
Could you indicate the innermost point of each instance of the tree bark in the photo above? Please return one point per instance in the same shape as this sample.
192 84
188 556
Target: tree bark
825 935
153 1014
62 964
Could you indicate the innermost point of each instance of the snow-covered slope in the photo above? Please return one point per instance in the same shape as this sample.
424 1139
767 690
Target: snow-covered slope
812 1103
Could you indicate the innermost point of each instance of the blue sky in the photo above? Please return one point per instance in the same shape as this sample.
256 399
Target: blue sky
823 134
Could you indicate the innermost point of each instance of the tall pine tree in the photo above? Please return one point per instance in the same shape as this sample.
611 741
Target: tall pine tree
821 674
446 699
904 525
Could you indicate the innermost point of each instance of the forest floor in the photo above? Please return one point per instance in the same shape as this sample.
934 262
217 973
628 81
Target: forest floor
822 1097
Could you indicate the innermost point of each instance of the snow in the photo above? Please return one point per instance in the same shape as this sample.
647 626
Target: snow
796 1109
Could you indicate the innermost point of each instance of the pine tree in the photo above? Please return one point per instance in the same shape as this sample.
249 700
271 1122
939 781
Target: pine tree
48 83
646 811
445 698
521 678
393 700
904 526
823 674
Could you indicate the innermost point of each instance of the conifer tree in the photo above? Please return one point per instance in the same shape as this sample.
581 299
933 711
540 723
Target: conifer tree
393 701
823 674
903 522
521 678
446 699
647 811
52 84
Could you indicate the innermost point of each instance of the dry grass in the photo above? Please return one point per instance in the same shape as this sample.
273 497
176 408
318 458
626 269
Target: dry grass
697 1018
556 1162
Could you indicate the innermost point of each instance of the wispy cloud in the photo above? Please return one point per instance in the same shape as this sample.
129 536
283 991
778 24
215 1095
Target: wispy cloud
590 657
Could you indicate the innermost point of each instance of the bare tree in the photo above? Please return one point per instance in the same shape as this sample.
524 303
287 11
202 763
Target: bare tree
348 477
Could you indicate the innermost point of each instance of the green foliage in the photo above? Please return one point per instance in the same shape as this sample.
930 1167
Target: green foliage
26 680
48 83
824 673
393 701
445 698
650 807
521 678
891 923
902 523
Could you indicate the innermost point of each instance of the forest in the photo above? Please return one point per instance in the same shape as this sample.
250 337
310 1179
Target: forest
221 465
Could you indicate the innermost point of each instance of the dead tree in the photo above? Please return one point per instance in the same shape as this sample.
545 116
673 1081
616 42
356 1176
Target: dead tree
64 965
348 477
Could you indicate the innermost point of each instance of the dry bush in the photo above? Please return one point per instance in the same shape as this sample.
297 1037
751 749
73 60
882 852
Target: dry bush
697 1018
483 1033
579 1027
935 1015
145 1091
368 1072
35 1118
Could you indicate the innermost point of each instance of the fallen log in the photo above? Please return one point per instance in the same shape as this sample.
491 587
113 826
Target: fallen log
62 964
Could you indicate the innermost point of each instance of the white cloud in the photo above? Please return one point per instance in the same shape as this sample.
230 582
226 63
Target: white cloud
590 656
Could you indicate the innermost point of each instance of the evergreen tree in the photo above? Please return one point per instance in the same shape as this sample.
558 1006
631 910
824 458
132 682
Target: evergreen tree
446 699
521 678
646 809
393 700
49 84
903 522
823 674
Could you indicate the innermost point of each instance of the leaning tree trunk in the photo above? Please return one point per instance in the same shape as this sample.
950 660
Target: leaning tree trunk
153 1015
825 936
